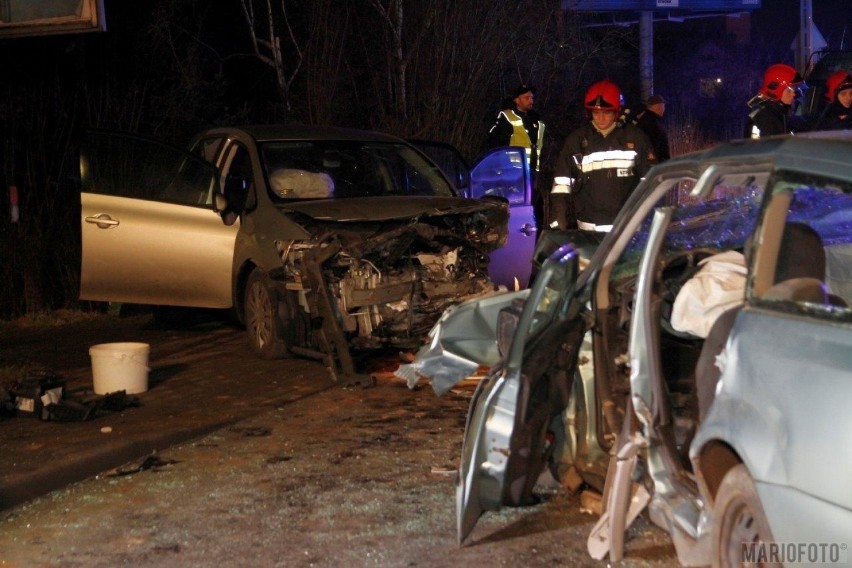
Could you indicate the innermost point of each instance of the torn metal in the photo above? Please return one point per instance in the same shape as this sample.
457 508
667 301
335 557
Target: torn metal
463 340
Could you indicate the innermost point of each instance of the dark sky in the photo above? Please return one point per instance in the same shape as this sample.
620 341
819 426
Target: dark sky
779 20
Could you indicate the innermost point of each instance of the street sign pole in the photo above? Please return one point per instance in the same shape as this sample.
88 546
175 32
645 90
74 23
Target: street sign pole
646 54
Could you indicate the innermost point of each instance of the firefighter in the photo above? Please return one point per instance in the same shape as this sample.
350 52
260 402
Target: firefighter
838 114
600 164
771 109
520 125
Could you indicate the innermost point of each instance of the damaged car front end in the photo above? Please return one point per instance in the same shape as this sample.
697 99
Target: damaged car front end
383 283
322 241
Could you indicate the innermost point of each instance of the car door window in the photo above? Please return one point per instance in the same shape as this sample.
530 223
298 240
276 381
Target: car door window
129 166
803 261
450 160
208 148
502 174
238 176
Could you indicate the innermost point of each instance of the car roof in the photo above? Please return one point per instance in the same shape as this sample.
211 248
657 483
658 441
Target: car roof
824 152
267 132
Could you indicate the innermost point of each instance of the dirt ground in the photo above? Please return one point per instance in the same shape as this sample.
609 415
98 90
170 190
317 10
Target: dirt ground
336 477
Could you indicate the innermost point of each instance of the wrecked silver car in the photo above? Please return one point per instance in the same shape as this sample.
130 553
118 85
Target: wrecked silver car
697 366
321 240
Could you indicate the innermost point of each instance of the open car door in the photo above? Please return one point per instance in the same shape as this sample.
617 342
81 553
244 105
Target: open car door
148 223
503 173
508 436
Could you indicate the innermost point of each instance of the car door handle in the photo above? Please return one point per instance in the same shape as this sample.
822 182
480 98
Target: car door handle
528 229
103 221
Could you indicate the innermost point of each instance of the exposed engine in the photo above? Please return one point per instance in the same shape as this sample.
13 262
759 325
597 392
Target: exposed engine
390 282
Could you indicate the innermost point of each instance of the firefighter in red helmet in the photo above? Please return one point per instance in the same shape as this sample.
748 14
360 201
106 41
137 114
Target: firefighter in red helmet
838 114
600 164
771 109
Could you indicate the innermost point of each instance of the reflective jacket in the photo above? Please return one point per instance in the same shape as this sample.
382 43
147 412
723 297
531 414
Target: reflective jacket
602 171
515 128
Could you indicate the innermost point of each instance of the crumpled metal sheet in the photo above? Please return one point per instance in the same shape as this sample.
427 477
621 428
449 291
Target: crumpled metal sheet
460 342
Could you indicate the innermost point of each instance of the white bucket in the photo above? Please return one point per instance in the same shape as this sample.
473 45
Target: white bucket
120 366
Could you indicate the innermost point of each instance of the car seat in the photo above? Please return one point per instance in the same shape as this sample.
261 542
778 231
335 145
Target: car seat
799 275
800 270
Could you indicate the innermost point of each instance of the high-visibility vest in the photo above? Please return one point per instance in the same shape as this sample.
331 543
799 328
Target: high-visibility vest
520 136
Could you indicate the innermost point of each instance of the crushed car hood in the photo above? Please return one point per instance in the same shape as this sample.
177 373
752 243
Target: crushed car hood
389 208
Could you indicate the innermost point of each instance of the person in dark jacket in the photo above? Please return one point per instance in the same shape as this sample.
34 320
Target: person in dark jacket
837 115
520 125
599 165
771 108
649 121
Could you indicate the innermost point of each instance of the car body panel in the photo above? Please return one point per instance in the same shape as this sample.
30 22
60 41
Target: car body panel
779 406
734 196
795 516
466 334
770 393
498 466
504 172
155 253
371 209
149 233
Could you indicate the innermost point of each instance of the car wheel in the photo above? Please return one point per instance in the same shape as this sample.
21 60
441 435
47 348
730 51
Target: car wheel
738 520
263 319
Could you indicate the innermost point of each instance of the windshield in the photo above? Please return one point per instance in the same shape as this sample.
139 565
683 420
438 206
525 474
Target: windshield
334 169
723 221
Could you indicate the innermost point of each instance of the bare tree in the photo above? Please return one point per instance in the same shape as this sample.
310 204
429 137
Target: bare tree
266 41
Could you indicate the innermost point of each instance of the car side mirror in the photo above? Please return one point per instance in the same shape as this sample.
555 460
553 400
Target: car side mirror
548 298
222 206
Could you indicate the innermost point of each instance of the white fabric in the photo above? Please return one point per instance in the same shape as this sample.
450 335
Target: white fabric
838 270
583 226
296 184
717 287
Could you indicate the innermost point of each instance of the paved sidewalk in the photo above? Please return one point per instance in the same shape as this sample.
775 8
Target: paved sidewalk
261 463
201 379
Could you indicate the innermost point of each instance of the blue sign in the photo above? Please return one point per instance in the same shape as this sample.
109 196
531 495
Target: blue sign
651 5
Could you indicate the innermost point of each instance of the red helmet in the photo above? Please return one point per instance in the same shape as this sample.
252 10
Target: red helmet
836 82
777 78
604 95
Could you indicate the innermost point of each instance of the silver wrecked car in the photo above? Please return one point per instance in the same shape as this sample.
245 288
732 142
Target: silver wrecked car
697 366
322 240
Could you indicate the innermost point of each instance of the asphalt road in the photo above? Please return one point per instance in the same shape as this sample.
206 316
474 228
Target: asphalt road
233 461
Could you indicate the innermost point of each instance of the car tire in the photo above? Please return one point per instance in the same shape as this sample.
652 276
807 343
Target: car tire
265 319
738 519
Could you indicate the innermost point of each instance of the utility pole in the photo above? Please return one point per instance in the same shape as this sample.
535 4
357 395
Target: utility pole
806 36
646 54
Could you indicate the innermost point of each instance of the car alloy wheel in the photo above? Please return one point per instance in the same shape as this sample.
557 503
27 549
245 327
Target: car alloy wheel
264 324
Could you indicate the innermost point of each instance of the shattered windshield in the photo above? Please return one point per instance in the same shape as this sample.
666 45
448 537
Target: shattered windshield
334 169
723 221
